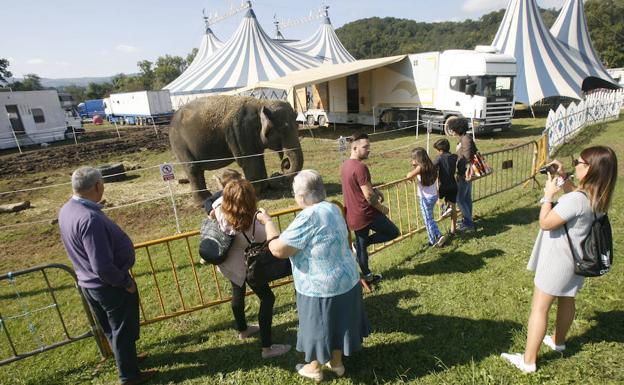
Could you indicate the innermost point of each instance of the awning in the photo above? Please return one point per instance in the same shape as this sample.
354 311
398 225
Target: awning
323 73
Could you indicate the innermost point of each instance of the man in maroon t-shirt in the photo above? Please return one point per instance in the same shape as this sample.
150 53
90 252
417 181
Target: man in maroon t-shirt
363 204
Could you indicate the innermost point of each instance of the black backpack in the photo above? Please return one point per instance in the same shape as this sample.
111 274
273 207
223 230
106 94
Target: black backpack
596 248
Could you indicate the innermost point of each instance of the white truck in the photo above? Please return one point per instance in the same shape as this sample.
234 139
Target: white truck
141 107
478 85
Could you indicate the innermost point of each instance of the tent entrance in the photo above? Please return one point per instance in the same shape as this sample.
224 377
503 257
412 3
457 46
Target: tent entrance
353 94
15 118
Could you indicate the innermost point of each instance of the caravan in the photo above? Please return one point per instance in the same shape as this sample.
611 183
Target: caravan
31 117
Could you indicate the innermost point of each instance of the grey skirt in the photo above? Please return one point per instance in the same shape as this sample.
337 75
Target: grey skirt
334 323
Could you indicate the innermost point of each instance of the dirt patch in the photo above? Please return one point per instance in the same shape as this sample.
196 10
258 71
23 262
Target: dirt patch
96 146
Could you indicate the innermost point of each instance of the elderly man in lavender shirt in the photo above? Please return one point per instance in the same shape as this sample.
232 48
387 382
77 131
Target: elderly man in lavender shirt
102 254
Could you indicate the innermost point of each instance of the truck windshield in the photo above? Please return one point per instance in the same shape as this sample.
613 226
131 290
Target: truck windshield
495 86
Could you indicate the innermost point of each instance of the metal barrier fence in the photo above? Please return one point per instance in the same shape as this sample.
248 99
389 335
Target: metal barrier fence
172 283
27 326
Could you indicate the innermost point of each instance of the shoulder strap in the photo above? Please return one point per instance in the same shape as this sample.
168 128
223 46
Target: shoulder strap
565 226
253 229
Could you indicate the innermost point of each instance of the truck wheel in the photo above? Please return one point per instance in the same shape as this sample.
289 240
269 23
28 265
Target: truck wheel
322 120
447 131
310 120
401 120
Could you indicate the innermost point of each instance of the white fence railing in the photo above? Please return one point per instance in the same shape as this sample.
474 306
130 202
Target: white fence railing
564 123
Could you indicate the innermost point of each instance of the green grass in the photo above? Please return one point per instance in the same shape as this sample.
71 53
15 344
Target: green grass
439 317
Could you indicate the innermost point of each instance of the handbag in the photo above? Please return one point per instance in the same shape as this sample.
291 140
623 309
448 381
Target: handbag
477 167
214 243
262 267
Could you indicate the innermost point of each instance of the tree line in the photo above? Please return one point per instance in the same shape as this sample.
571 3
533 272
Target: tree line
151 76
379 37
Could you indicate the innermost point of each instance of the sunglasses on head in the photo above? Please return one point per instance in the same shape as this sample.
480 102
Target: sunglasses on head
576 162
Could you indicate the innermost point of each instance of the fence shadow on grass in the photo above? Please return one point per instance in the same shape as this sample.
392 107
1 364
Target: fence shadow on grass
434 342
492 225
609 327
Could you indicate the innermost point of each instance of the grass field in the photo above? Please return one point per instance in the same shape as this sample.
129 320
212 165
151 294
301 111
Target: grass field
441 316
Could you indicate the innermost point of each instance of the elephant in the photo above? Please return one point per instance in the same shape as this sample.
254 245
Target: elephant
234 127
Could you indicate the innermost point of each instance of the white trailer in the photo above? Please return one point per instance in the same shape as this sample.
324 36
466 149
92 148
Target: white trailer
31 117
399 90
139 107
434 86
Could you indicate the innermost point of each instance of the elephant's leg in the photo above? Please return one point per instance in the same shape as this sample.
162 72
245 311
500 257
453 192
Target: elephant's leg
197 181
255 170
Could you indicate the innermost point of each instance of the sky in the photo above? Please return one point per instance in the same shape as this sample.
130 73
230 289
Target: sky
69 38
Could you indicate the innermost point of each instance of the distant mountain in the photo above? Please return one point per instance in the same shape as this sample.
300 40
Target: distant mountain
81 82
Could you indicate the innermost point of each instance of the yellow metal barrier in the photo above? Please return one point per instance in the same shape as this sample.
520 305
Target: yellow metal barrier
172 283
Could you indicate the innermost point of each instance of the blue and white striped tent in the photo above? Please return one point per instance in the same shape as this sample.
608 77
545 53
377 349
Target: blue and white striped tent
248 57
325 45
546 67
208 46
570 28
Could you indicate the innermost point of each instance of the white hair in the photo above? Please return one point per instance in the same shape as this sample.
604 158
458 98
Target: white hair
84 178
308 184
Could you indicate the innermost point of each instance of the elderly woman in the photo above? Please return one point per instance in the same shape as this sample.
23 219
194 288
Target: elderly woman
235 212
561 226
332 320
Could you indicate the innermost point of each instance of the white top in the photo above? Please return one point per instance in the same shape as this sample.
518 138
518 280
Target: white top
427 191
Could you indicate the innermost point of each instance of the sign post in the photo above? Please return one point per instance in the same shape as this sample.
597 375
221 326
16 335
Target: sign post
166 171
342 147
429 129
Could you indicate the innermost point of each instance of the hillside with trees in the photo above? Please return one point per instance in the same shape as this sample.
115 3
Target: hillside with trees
378 37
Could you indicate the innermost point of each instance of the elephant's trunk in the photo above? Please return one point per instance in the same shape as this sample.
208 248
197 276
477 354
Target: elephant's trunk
293 161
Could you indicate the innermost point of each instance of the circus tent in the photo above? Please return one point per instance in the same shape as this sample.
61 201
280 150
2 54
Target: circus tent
248 57
208 46
546 67
571 29
324 44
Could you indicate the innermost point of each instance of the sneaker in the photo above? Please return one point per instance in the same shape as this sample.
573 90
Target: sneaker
517 360
548 341
461 228
251 330
372 279
441 240
276 350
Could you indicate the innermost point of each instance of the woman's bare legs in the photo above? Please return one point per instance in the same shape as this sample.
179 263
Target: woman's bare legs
565 315
538 322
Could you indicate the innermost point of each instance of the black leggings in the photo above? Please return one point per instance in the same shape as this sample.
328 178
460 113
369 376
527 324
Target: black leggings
265 315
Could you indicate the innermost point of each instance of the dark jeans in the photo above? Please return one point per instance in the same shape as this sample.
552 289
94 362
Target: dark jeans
265 315
384 231
464 201
117 312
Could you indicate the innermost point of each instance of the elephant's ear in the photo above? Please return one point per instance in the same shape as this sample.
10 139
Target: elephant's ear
266 120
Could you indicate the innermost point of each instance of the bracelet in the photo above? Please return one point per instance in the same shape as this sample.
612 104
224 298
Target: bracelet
545 200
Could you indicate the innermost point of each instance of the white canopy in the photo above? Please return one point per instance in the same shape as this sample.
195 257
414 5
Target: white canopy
546 67
208 46
571 29
325 45
248 57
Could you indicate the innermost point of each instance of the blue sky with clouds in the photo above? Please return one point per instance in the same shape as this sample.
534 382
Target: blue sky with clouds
69 38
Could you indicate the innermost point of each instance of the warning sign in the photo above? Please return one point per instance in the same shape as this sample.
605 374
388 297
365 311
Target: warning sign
166 170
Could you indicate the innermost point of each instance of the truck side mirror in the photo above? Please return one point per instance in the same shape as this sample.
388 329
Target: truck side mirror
471 89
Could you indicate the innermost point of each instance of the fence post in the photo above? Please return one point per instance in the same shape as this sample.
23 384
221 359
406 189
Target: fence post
74 133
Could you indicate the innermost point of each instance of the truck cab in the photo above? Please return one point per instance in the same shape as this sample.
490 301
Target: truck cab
478 85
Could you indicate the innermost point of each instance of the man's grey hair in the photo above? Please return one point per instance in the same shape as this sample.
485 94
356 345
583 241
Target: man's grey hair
308 184
84 178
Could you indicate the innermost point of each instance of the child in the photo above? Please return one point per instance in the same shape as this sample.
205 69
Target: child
426 174
447 186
